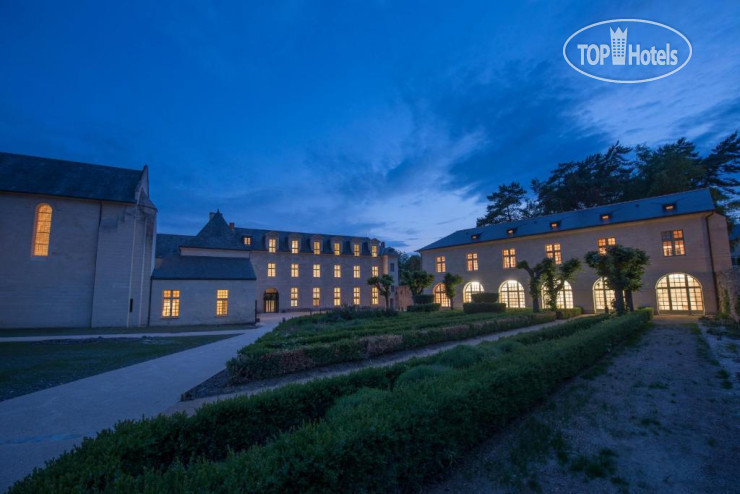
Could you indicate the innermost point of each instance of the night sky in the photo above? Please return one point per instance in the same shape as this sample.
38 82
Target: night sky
389 119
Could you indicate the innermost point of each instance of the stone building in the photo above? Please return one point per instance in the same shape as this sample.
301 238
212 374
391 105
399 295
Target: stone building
686 239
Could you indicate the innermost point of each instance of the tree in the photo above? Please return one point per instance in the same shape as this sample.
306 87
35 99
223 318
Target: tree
554 277
450 281
508 204
408 262
417 281
383 283
622 268
535 281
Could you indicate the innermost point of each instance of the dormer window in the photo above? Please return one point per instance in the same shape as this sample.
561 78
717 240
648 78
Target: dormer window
554 225
669 207
475 236
356 250
272 245
606 217
511 231
374 250
294 246
247 240
317 247
337 248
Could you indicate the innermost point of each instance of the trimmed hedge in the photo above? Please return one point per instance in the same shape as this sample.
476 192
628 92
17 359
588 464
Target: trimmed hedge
423 298
259 363
476 307
153 446
424 307
568 313
485 297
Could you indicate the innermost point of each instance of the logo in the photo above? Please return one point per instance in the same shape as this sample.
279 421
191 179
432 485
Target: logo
627 51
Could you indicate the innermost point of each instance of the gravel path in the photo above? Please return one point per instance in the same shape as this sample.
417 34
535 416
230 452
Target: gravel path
656 417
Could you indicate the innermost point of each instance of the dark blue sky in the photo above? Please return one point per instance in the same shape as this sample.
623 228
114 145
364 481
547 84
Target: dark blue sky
387 119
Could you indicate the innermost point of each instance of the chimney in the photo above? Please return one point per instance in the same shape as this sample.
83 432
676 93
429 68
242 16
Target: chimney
231 225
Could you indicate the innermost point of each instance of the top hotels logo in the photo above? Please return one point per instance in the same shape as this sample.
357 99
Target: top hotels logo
627 51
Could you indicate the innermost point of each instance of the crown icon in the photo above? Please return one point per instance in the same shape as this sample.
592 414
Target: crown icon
619 45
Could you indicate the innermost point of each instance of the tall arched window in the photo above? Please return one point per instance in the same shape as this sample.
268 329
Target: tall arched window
603 296
679 292
42 230
564 299
440 297
511 293
470 289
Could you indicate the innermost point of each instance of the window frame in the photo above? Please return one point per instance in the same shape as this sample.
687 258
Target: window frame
508 258
170 304
41 241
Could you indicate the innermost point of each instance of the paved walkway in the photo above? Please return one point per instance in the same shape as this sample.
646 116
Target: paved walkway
39 426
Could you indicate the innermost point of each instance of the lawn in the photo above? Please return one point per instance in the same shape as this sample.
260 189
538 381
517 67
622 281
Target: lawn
26 367
121 330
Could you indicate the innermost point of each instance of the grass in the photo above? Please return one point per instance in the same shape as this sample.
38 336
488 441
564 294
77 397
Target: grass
122 330
26 367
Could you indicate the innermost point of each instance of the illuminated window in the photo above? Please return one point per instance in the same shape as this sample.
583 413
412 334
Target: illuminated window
673 243
42 230
603 296
222 302
511 231
316 297
294 245
604 242
294 270
170 303
564 299
374 296
247 240
472 258
356 272
509 256
554 225
337 297
271 244
440 297
552 251
511 293
375 270
316 247
470 289
337 271
337 248
669 207
356 249
606 217
374 251
270 269
441 264
317 270
294 297
356 295
679 292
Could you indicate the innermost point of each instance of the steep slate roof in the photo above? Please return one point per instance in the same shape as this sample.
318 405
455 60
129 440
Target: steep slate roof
34 175
176 267
693 201
169 244
215 235
260 244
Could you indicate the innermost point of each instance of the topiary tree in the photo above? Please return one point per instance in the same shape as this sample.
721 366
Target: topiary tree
554 277
535 282
417 280
622 268
383 283
450 281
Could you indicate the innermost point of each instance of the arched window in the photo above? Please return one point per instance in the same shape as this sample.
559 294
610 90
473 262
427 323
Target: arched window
440 297
680 293
511 293
603 296
470 289
42 230
564 299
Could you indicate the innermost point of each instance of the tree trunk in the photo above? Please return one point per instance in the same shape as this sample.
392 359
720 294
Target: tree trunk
628 298
619 301
535 304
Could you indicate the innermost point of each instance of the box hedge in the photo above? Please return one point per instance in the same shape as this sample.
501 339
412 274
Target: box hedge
424 307
568 313
485 297
477 307
423 298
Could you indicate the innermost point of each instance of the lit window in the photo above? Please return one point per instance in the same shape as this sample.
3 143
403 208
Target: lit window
316 247
247 240
511 293
170 303
441 264
270 269
511 231
375 270
374 296
356 295
440 296
356 249
294 270
337 271
337 248
673 243
509 256
294 297
374 251
552 251
222 302
337 297
316 296
317 270
554 225
472 258
679 292
564 299
604 242
356 271
669 207
42 230
606 217
470 289
294 244
271 244
475 236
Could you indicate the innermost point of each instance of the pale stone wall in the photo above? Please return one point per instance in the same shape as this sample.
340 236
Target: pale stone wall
700 231
198 302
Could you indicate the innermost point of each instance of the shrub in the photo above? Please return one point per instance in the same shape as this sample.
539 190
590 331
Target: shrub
476 307
461 356
420 373
483 297
568 313
424 308
649 310
423 299
350 403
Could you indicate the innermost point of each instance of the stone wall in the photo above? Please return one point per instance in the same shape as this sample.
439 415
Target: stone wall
728 283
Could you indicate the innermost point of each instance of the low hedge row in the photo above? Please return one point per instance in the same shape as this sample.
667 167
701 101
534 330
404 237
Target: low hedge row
424 307
568 313
395 441
261 363
489 297
476 307
240 423
423 298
